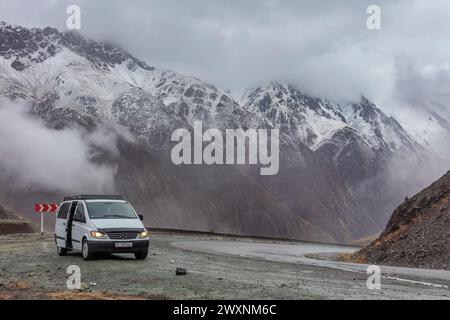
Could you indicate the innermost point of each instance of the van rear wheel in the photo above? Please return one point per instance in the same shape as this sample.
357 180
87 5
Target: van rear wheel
61 251
86 250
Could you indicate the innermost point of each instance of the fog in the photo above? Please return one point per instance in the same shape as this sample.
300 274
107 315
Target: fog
34 156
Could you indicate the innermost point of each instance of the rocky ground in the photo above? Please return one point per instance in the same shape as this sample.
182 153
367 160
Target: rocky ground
31 269
418 233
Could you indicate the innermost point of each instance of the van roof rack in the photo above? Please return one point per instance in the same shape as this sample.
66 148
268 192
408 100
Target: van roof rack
92 196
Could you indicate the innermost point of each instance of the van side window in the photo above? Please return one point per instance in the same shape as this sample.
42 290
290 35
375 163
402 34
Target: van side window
62 213
79 213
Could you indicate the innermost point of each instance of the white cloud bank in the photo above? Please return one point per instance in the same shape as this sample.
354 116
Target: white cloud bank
32 155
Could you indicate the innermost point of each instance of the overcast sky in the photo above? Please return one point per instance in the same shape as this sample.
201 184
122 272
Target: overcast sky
324 47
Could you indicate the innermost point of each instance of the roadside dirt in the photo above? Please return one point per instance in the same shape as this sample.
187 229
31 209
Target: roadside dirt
20 290
31 269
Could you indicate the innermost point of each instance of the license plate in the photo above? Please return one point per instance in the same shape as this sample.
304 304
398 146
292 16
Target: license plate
123 244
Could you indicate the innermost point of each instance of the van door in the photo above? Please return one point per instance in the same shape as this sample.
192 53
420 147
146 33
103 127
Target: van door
69 243
60 224
78 226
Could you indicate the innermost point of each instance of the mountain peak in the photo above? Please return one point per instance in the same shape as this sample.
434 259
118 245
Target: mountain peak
25 47
101 54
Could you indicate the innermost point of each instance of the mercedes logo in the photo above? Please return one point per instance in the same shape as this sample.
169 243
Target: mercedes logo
123 235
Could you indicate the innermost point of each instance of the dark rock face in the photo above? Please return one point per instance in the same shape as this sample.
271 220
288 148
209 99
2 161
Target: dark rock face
418 233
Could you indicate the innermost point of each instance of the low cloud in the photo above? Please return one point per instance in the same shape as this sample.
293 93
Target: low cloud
429 83
323 47
34 156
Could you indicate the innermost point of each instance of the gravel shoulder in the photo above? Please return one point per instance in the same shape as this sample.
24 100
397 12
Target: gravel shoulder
31 269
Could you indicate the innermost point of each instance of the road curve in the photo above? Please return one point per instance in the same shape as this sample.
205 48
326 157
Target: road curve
299 253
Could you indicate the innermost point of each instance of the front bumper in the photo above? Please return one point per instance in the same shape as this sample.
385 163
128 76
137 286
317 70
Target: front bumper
110 246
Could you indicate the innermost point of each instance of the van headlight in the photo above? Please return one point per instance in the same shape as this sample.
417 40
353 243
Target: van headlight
144 234
98 235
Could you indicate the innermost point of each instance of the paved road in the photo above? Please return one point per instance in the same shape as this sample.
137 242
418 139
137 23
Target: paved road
302 252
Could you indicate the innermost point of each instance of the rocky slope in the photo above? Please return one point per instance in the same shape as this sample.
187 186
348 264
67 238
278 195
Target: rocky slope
10 223
418 233
6 214
335 181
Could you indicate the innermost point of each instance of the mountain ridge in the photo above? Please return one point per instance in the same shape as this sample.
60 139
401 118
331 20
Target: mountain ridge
327 170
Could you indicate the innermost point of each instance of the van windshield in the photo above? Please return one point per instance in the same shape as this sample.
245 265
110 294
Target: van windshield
110 210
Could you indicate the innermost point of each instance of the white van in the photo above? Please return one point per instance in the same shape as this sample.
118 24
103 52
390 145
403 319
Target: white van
94 224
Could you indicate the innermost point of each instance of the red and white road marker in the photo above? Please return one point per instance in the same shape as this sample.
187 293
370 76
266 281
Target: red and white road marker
45 208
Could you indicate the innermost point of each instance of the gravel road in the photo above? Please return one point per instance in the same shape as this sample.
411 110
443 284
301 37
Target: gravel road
217 269
312 254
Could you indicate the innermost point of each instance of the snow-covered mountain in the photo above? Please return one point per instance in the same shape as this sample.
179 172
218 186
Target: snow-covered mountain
314 121
428 122
331 154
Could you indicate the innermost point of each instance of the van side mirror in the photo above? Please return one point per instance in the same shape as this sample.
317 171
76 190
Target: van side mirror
141 217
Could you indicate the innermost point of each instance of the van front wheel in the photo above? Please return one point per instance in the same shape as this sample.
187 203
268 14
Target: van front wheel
141 255
86 250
